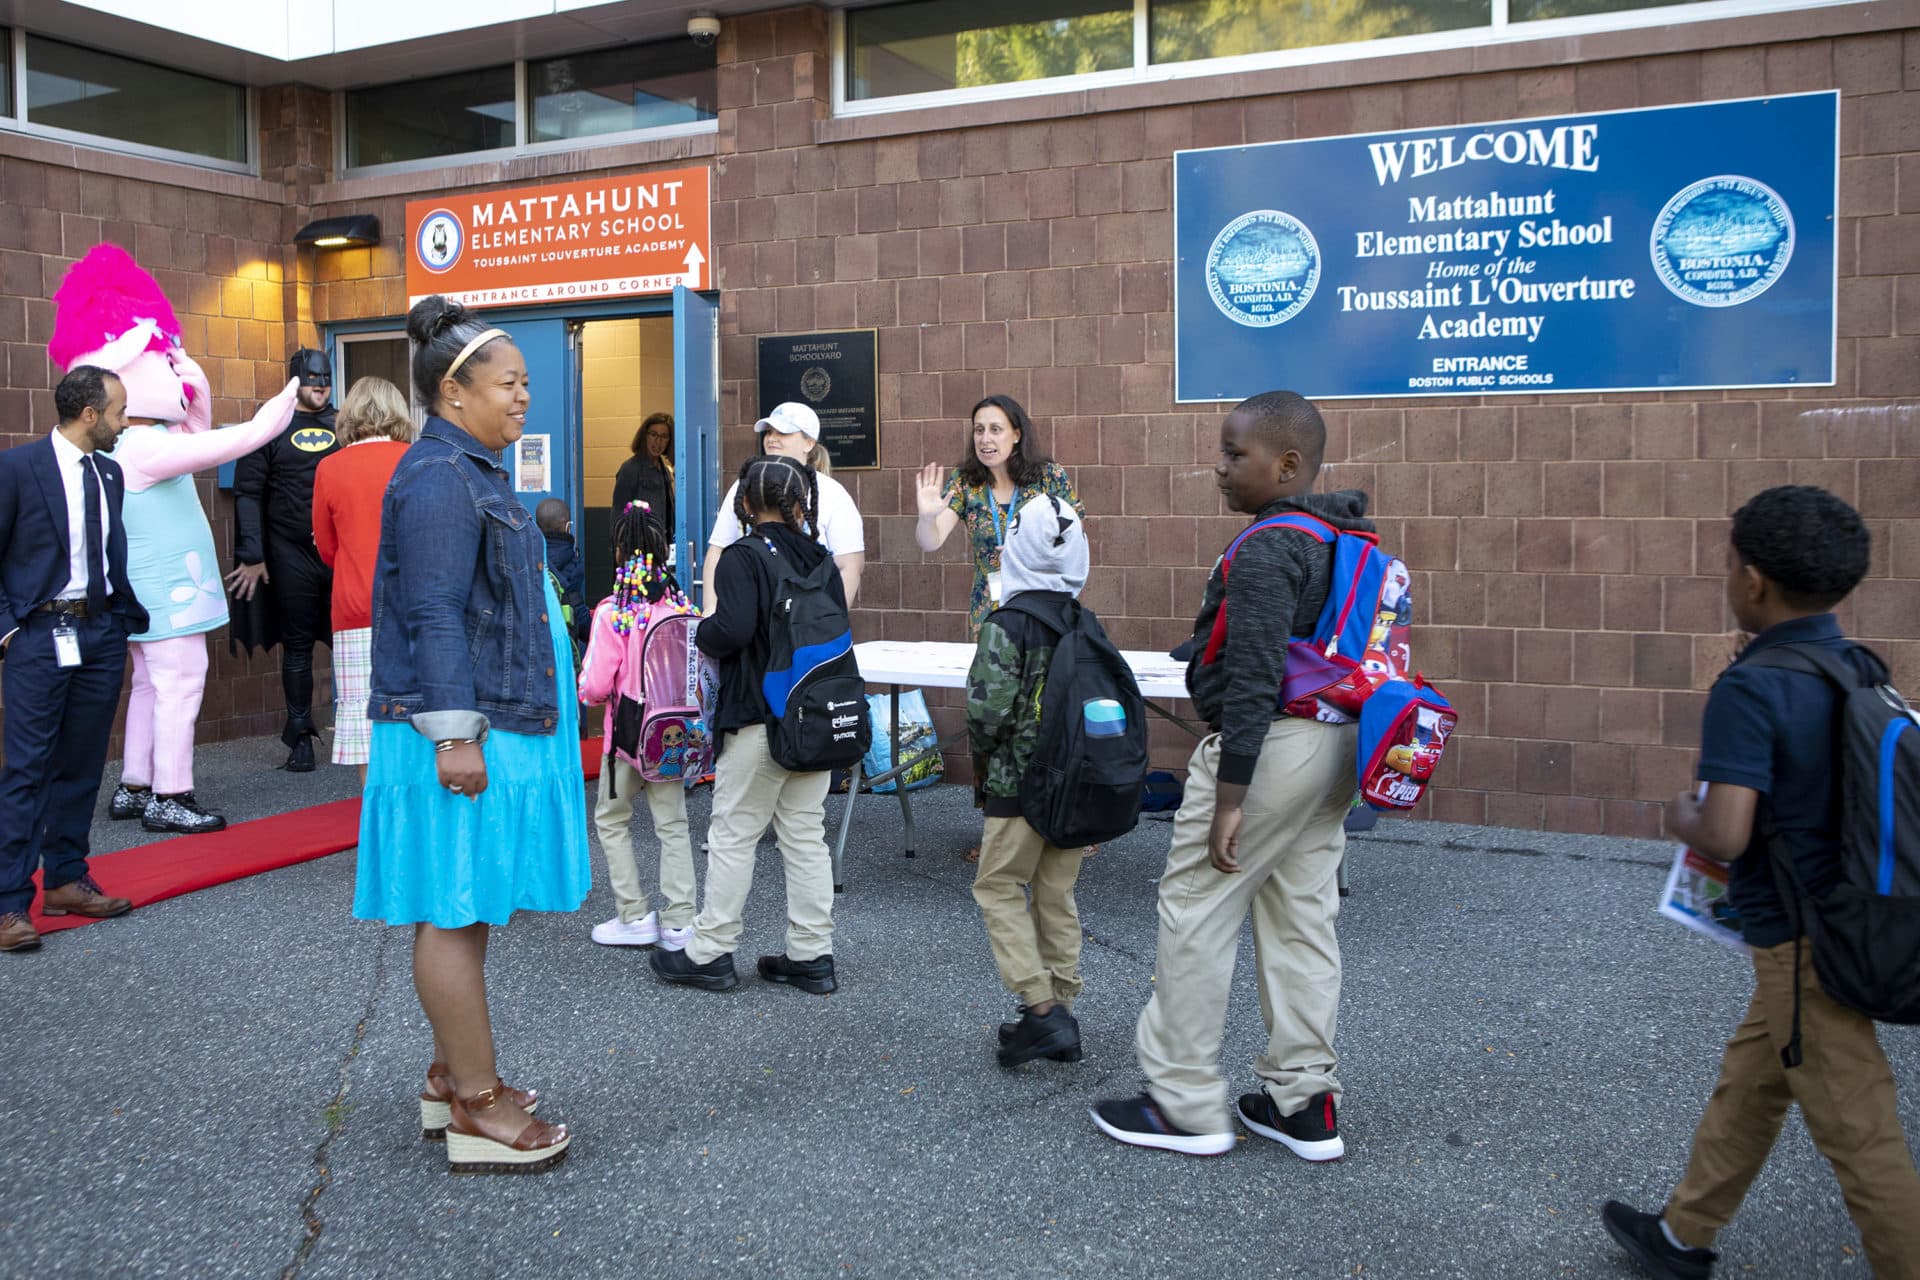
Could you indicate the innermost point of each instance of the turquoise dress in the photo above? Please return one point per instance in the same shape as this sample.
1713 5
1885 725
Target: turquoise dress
427 855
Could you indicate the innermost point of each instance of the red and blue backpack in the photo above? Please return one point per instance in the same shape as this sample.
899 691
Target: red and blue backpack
1357 664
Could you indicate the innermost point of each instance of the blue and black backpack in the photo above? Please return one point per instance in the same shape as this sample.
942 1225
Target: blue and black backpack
1865 929
812 685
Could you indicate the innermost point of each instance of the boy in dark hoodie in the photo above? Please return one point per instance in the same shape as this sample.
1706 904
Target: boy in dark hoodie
1037 948
1259 828
564 562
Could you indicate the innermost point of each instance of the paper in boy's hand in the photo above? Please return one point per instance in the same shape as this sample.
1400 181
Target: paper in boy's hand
1696 895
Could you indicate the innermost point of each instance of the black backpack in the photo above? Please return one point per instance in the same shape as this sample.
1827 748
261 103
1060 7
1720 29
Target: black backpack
1082 786
812 684
1865 930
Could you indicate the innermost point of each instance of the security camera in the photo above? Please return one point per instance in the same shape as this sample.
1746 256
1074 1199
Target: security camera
703 29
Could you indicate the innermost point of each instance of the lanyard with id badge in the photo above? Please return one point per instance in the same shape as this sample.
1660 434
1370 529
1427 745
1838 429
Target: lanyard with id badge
1000 519
66 642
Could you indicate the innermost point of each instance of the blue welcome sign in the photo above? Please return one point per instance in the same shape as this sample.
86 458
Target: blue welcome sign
1668 248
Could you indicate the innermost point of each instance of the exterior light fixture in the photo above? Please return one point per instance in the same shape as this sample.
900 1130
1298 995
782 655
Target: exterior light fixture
355 230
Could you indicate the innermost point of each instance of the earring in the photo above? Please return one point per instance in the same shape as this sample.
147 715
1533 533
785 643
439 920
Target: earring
456 404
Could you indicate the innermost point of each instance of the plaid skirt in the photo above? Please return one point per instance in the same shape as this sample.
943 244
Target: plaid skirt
352 674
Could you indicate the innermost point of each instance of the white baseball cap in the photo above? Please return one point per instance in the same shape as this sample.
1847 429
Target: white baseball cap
791 417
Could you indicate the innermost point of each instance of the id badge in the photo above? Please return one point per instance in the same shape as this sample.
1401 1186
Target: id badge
66 645
993 586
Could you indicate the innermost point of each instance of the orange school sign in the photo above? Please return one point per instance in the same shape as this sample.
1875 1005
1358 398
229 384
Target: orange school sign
599 238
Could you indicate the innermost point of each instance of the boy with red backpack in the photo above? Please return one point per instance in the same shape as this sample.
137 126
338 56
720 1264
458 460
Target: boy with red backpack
1820 829
1260 828
645 626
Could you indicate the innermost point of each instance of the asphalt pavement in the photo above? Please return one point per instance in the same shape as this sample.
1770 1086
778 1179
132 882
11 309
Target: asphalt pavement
223 1085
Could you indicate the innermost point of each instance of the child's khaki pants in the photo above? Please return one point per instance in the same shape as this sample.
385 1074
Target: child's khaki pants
1845 1090
1291 841
749 791
1037 950
613 818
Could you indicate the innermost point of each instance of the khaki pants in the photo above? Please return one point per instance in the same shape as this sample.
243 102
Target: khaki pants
613 817
749 791
1037 949
1845 1090
1291 841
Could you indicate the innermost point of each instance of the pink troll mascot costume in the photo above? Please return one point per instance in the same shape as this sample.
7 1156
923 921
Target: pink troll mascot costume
112 314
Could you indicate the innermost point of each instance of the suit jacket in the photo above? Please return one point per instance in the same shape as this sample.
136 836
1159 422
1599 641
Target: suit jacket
34 550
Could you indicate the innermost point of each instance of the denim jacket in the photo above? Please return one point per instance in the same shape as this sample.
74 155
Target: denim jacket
461 640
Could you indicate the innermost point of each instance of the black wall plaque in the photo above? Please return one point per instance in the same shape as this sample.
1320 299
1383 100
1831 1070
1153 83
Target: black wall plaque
837 376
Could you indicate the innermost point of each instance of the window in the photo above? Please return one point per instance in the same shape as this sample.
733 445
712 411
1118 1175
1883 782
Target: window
958 44
6 72
1183 30
87 91
640 86
420 119
1535 10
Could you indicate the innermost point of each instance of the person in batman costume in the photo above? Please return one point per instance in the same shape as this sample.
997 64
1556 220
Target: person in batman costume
273 548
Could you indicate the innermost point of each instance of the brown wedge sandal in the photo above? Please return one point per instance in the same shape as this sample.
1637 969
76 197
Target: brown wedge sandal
539 1147
438 1094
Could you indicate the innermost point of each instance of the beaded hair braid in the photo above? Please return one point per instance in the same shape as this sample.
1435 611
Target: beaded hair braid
775 483
643 578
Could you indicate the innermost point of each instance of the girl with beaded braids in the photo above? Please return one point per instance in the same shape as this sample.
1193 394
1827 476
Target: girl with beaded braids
473 806
642 587
776 500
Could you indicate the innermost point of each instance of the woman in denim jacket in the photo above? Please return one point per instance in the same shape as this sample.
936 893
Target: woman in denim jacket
473 806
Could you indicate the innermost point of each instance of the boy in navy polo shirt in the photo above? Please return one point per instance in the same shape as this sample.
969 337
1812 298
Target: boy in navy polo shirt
1766 755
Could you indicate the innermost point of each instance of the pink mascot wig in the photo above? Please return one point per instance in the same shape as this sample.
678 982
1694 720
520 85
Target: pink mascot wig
111 313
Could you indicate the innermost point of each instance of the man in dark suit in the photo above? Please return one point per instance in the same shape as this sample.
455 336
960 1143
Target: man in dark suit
65 614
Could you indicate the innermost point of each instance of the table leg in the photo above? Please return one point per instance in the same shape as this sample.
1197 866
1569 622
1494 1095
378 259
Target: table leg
846 824
900 784
1340 876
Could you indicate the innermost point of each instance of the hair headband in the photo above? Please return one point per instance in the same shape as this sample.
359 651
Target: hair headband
479 340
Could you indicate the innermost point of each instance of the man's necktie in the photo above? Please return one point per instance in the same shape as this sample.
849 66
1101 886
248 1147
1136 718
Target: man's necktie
96 539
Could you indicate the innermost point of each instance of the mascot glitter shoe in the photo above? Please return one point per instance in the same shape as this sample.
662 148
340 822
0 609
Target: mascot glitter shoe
111 314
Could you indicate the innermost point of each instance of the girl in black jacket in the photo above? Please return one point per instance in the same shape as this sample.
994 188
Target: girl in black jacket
776 499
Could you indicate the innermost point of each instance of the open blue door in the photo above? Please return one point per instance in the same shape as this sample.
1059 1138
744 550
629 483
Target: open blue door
696 436
552 376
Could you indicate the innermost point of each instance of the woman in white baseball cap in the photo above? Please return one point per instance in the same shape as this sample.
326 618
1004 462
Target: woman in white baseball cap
793 430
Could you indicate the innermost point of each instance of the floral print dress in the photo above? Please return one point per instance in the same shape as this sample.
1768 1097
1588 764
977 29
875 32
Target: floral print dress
985 526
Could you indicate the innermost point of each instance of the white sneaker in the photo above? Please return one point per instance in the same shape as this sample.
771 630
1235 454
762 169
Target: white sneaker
616 932
676 939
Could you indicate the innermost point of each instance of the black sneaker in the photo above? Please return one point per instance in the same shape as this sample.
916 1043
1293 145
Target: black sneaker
1640 1235
715 975
1139 1123
1041 1035
180 813
814 975
1065 1055
1312 1133
128 802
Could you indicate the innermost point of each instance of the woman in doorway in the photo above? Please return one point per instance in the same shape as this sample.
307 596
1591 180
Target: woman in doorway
648 475
792 430
473 807
348 490
1002 468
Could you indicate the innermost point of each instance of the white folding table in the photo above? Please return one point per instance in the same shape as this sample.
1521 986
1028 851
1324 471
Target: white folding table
937 664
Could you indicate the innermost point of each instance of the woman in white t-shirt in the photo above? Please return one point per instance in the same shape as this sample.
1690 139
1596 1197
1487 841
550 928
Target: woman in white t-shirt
793 430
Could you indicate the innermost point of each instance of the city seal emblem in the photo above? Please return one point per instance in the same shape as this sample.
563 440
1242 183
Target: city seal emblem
815 383
1722 241
439 240
1263 268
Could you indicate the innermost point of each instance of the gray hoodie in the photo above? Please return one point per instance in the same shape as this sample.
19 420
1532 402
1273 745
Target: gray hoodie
1045 550
1278 586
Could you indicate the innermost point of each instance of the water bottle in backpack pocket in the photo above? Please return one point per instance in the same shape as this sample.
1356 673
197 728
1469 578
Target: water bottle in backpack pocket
813 688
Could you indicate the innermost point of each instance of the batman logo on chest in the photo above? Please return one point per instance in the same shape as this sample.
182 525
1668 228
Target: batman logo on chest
312 439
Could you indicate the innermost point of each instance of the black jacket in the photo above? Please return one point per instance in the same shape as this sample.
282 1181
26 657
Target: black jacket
639 479
273 489
737 630
1278 586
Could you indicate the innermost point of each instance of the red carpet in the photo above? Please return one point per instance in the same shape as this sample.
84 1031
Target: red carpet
169 868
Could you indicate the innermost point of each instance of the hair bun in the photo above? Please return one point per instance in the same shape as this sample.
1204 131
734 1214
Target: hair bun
432 316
